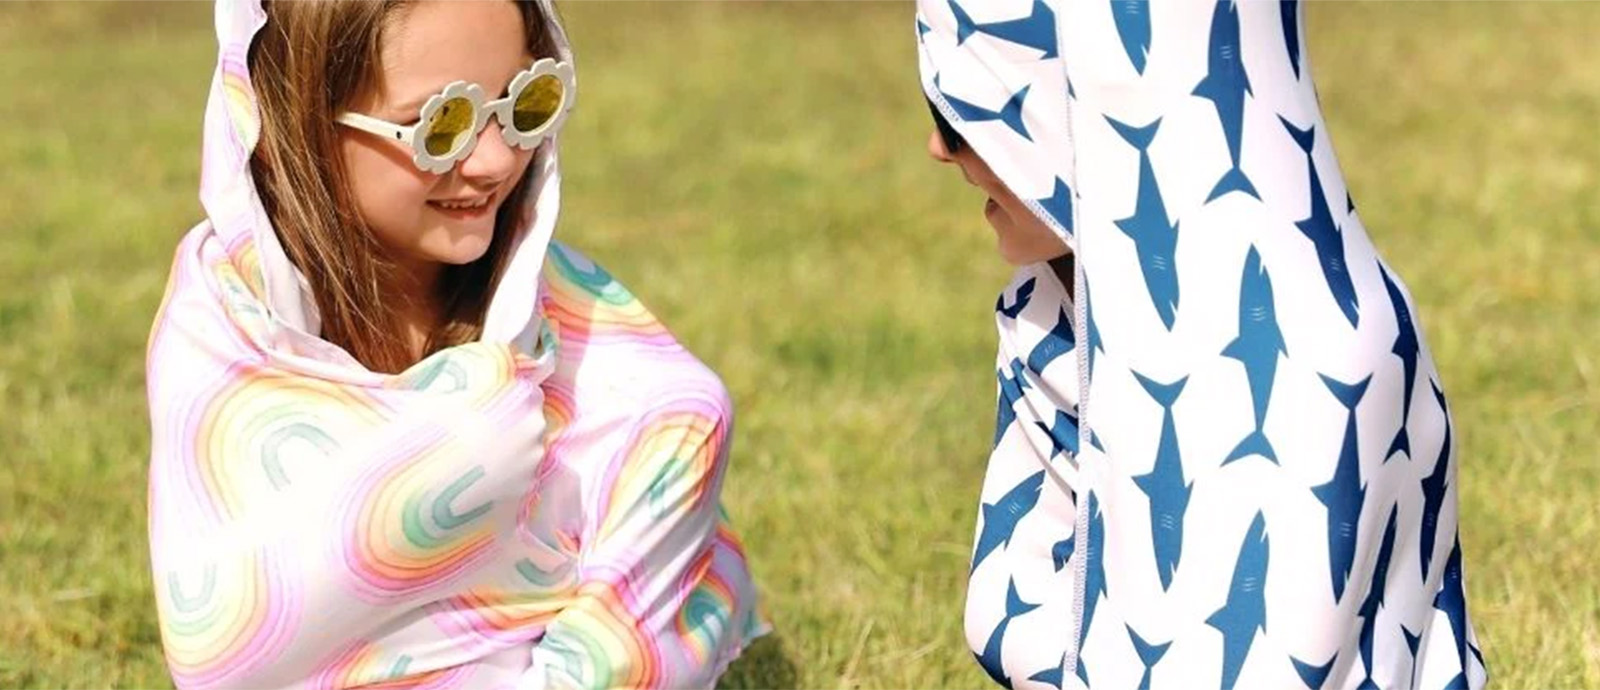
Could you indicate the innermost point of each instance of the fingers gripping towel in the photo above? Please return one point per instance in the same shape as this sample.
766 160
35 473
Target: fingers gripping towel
1229 461
537 509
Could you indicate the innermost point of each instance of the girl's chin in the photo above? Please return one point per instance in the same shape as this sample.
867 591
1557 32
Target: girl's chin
457 249
464 255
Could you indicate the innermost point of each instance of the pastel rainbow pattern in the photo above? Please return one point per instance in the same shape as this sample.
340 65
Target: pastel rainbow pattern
407 526
668 464
226 618
314 524
606 599
589 306
498 618
708 603
366 665
259 422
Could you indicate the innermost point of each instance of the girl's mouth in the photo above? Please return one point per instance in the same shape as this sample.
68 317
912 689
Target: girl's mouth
464 209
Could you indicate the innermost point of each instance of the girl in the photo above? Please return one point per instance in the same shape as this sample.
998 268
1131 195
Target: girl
1223 454
399 436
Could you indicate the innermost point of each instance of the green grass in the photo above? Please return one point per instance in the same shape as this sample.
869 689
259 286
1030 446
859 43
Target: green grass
755 172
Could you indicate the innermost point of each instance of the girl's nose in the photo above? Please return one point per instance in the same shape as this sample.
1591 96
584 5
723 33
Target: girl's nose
491 160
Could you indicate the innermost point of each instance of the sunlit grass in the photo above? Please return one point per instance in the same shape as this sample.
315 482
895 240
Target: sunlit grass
755 172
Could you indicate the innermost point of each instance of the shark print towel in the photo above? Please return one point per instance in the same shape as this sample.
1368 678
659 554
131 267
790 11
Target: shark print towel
1224 456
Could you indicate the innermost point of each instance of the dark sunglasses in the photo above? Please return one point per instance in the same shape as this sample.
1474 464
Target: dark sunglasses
952 140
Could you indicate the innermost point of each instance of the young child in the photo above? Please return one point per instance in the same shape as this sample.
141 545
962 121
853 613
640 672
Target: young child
1222 454
399 436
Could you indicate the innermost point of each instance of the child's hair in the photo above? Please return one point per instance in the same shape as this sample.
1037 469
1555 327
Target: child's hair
306 64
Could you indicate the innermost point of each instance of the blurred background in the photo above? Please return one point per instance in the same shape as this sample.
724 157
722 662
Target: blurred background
756 173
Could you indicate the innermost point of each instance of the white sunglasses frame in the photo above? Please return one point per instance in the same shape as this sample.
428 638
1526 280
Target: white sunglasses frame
482 109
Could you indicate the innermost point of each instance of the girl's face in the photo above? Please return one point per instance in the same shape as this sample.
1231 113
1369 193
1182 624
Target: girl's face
1023 238
428 45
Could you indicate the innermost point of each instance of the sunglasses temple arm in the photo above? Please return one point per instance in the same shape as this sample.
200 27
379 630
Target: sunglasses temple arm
372 125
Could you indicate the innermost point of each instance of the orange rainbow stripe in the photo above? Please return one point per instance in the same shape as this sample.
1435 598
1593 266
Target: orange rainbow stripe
405 531
244 613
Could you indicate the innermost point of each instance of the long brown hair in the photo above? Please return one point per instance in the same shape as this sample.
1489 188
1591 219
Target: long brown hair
306 64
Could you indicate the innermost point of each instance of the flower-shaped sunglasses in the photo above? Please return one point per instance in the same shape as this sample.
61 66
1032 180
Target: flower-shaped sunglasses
536 103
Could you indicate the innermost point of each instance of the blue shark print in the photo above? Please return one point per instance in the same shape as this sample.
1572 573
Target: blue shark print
1050 676
1245 613
1060 552
1406 348
1063 436
922 29
1036 31
1257 347
1055 343
1291 33
1434 487
1024 295
1095 344
1344 494
1011 388
1141 128
1325 234
965 27
1369 606
1452 600
1009 114
1059 204
1149 655
1225 85
1133 27
1313 676
1413 640
1164 484
990 658
1155 237
1000 518
1094 579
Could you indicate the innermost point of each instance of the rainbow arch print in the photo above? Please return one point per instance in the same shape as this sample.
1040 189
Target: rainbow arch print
706 610
595 638
495 618
559 408
588 305
409 524
368 666
669 463
246 260
551 549
482 367
225 618
243 436
241 300
240 97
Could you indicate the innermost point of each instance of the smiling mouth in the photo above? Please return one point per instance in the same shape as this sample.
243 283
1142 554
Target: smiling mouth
464 209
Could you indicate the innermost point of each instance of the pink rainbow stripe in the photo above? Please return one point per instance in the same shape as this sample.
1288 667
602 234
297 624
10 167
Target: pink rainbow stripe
367 666
671 460
243 616
489 618
392 547
252 404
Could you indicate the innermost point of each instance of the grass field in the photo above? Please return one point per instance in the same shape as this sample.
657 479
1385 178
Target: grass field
755 172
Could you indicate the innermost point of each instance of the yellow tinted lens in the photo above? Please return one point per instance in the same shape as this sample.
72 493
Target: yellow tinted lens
537 103
445 129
